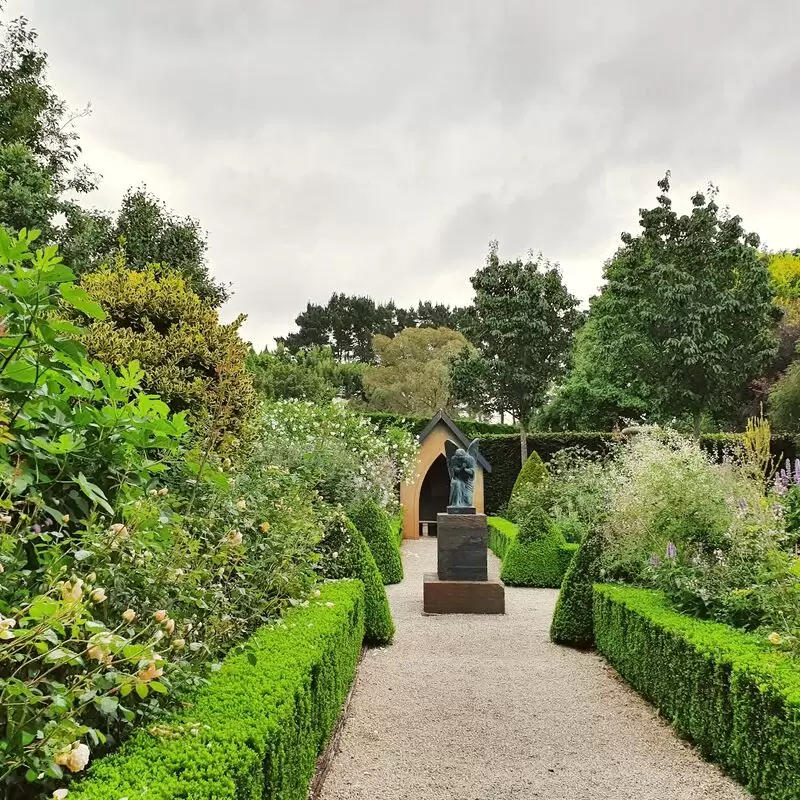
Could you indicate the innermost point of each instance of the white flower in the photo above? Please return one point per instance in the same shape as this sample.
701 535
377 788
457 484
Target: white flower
60 794
118 531
6 624
233 537
169 626
241 504
329 604
5 519
72 591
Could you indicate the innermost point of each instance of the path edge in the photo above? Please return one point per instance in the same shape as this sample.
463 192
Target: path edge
326 757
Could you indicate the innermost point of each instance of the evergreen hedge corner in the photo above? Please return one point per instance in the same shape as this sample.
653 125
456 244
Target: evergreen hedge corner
502 533
375 527
572 623
726 690
538 556
533 472
396 524
255 730
346 554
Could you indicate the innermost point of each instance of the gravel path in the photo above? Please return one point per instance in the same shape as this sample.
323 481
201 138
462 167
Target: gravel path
486 708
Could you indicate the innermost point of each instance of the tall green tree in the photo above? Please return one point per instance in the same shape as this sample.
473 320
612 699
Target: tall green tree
412 371
522 322
685 319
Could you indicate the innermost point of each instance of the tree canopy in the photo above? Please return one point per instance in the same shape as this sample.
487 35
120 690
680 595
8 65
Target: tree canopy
412 371
522 323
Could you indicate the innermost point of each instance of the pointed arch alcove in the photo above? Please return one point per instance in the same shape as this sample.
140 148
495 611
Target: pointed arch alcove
429 491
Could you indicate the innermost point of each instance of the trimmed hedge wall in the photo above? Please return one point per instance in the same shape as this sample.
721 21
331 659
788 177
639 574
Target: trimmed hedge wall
501 534
471 428
375 527
502 452
724 689
396 524
256 729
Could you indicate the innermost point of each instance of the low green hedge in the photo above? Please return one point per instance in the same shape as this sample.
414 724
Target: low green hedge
724 689
254 732
396 524
375 527
501 534
572 620
471 428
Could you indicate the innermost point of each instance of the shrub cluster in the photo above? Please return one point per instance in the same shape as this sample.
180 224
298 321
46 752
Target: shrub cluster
503 453
502 533
256 729
726 690
538 556
346 554
374 524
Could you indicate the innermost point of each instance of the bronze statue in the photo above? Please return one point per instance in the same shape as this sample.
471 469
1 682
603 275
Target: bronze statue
461 467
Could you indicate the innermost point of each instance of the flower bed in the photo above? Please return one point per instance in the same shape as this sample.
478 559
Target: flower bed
724 689
255 731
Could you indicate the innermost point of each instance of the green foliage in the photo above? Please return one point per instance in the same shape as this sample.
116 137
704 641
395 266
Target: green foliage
308 374
538 556
522 323
255 731
471 428
194 363
503 453
374 524
685 319
572 623
727 691
412 371
502 533
337 451
396 525
347 324
532 474
346 554
784 400
784 270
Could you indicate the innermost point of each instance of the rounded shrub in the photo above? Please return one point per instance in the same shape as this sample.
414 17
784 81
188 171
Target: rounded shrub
572 529
375 527
346 554
572 621
539 555
532 474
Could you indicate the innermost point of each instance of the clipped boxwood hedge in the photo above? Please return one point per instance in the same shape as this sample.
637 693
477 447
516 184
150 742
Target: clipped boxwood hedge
347 555
254 732
724 689
533 473
572 620
503 453
538 555
375 527
501 534
396 524
472 428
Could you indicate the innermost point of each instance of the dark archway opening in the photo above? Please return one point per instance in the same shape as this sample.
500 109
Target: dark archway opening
434 495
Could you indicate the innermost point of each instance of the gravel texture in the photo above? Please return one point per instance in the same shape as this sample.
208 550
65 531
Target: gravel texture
486 708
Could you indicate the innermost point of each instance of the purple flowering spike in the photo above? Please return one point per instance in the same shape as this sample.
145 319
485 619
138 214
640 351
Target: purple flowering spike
655 561
672 551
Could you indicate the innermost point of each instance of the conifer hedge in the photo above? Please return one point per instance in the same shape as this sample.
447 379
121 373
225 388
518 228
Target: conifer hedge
727 691
254 732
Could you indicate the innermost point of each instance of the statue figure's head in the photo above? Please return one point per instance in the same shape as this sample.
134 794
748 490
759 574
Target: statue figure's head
461 460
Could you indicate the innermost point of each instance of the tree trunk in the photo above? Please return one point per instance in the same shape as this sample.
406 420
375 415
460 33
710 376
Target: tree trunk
523 444
696 417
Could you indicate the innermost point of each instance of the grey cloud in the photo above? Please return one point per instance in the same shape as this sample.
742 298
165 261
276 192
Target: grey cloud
348 145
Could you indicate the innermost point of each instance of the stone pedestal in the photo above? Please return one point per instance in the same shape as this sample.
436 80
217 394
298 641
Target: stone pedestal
461 585
462 543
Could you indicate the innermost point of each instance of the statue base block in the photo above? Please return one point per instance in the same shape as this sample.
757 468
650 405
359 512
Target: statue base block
462 597
462 541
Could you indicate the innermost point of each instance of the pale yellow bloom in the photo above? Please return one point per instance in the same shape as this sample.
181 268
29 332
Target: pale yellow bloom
5 519
151 671
64 521
129 615
160 616
76 758
179 644
234 537
241 504
118 530
775 638
60 794
169 626
264 527
72 591
6 624
98 595
163 491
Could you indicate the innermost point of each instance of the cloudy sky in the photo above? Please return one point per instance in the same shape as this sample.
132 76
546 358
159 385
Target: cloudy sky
376 147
